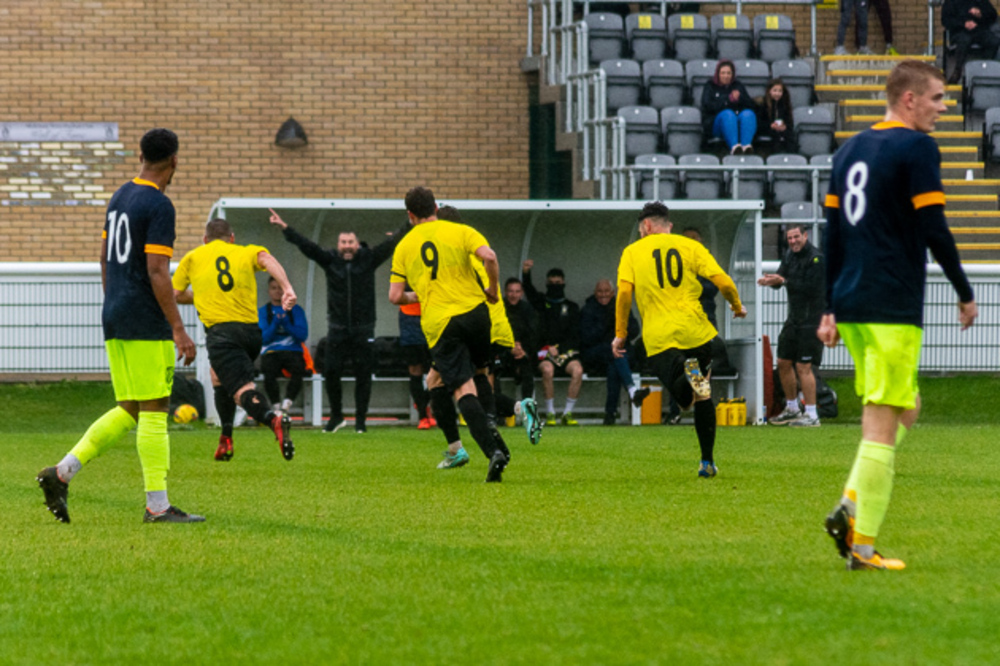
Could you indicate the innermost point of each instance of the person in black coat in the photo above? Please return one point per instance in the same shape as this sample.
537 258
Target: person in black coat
597 330
968 22
774 117
727 110
519 362
350 312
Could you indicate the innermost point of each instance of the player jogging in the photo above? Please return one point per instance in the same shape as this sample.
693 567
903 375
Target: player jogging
142 332
884 210
436 260
662 270
224 291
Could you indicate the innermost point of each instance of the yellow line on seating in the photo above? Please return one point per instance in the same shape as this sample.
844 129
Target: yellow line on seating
978 246
877 119
882 58
975 230
961 182
970 197
972 213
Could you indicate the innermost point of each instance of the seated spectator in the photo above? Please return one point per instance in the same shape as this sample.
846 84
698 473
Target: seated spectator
283 335
559 341
727 110
968 22
597 331
774 117
520 361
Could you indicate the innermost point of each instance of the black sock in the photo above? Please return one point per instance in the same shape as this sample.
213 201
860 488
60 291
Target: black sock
226 408
479 428
257 406
419 395
485 393
505 405
682 392
704 425
444 413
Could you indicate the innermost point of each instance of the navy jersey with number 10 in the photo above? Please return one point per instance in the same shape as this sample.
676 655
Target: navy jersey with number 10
140 221
876 242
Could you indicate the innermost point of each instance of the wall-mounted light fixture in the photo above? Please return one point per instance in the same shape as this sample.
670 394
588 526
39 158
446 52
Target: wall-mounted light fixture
291 135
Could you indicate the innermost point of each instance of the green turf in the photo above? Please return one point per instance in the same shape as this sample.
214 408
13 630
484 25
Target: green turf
600 546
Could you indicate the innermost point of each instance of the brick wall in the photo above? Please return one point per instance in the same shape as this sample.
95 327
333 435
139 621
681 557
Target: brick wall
391 94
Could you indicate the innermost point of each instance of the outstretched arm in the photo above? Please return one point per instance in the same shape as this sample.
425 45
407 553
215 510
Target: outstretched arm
728 290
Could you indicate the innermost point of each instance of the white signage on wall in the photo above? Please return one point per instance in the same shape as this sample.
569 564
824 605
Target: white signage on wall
22 132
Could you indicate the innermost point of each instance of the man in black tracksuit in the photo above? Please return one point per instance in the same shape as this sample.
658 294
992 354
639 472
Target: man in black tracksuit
968 22
350 302
803 274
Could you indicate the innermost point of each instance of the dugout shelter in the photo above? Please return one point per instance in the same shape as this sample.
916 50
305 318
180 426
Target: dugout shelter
584 238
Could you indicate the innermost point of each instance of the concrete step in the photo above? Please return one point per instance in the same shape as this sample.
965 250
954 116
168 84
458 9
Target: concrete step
970 202
972 218
946 138
877 105
949 123
841 62
954 186
835 92
967 170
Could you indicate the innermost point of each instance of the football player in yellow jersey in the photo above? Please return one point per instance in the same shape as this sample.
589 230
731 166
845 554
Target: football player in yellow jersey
436 259
662 271
224 291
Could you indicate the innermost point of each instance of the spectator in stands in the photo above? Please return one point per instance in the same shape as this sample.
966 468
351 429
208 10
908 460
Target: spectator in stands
728 111
520 361
968 23
774 117
884 12
803 274
597 330
847 9
350 300
559 339
283 334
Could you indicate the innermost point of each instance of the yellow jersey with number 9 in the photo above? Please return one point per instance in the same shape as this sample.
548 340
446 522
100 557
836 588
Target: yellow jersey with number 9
436 259
222 278
664 270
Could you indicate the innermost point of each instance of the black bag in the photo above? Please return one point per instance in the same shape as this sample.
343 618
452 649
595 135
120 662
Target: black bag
826 397
187 391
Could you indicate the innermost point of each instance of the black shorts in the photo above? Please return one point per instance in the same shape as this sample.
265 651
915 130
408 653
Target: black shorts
464 346
415 355
800 344
232 349
668 366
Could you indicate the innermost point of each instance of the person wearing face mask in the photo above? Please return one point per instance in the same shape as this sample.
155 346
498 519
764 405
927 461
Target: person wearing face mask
350 301
559 340
597 330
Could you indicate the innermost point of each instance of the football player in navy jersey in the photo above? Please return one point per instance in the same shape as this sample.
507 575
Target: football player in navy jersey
885 209
143 333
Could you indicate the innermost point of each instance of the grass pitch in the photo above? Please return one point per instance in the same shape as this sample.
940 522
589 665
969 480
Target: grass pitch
601 546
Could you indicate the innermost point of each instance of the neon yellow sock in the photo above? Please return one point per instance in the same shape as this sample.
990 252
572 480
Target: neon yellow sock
154 449
873 485
103 433
901 433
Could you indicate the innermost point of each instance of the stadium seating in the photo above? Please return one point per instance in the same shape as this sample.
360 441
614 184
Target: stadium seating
642 130
799 79
697 73
991 135
701 184
689 36
789 185
752 184
624 83
681 127
754 75
605 37
667 188
775 37
731 36
664 83
647 36
797 210
814 130
824 176
982 85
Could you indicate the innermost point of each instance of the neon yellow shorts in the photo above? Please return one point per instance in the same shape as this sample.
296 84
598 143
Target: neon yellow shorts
886 360
141 369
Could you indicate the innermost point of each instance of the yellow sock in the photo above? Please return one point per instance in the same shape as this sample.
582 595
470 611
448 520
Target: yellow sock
154 449
873 484
103 433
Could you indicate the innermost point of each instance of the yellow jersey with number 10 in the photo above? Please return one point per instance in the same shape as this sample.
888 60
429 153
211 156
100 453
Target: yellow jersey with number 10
664 270
222 277
435 258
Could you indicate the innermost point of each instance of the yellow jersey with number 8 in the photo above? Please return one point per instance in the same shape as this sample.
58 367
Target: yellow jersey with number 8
222 278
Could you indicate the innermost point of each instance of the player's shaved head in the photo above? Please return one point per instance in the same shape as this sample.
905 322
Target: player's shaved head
158 146
911 75
217 229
